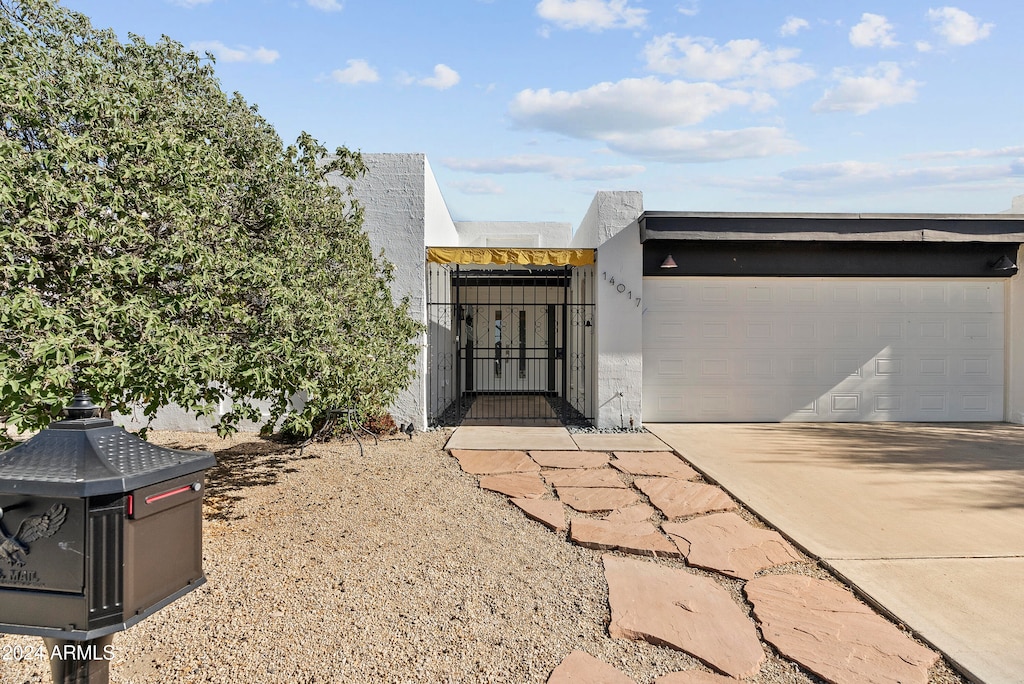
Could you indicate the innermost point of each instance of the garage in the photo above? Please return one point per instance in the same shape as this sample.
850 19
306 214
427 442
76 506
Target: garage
834 319
822 349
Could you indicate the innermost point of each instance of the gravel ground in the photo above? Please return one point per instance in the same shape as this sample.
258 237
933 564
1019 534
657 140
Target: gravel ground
390 567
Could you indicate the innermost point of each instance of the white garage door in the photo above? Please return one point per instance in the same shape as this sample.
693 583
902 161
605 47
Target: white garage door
822 349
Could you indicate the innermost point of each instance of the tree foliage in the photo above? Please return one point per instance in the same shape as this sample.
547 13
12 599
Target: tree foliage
161 245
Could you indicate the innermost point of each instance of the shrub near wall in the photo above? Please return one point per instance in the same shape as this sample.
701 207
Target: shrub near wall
161 245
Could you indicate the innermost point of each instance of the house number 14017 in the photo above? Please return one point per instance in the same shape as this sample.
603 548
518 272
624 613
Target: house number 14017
620 287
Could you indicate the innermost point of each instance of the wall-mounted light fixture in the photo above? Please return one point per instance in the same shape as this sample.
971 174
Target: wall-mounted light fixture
669 262
1003 264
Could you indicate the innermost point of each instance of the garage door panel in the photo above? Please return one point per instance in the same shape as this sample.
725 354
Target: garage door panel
759 404
738 367
822 368
831 330
818 294
814 349
836 330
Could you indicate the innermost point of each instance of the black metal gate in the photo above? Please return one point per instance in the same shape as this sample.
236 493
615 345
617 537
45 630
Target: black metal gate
509 345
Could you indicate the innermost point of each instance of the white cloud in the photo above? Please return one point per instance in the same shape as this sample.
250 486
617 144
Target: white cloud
958 27
923 46
793 26
600 173
832 170
357 71
594 15
974 153
566 168
879 86
874 30
674 145
190 3
478 186
744 62
517 163
856 177
647 118
629 105
690 9
444 78
326 5
242 53
873 175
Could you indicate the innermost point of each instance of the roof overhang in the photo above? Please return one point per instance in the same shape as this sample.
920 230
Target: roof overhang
523 256
667 225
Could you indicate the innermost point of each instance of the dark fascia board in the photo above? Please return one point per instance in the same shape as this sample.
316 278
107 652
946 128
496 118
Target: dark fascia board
674 225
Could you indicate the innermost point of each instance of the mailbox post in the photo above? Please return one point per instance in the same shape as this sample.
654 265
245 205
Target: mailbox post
98 530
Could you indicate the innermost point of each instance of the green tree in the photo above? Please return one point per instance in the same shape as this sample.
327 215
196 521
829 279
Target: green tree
161 245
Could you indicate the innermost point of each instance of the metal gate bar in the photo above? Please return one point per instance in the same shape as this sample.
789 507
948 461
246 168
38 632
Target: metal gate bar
508 345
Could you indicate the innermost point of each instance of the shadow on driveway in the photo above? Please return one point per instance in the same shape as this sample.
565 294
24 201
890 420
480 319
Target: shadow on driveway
989 454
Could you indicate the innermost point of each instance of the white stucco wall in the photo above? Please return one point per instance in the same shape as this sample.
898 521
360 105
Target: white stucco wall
1016 206
609 213
398 194
548 234
175 418
439 229
611 225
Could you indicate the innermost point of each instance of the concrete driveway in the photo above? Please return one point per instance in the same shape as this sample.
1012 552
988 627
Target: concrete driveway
925 519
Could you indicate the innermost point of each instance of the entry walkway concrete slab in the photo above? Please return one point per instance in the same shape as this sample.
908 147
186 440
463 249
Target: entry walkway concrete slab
927 520
509 437
618 441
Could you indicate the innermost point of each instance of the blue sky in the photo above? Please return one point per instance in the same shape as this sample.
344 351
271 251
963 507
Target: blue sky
525 108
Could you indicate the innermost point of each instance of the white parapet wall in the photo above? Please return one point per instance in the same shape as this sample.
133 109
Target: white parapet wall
177 419
512 234
611 226
403 212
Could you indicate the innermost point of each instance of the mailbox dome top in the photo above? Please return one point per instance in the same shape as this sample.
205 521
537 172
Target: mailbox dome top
92 457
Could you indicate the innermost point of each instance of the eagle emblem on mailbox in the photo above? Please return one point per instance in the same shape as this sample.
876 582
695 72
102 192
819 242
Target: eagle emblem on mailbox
13 549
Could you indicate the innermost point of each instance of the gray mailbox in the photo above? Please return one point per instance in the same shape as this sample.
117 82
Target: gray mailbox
98 529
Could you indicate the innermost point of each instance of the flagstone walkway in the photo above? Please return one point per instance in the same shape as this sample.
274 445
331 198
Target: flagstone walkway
628 495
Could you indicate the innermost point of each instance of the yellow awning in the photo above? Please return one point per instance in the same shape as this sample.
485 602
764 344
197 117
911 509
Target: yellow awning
510 255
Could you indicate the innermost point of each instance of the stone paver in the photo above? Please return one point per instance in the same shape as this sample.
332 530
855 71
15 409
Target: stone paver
570 459
583 668
636 513
602 477
663 463
826 629
641 538
482 462
728 544
819 624
683 610
693 677
618 441
597 499
515 485
678 498
548 512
